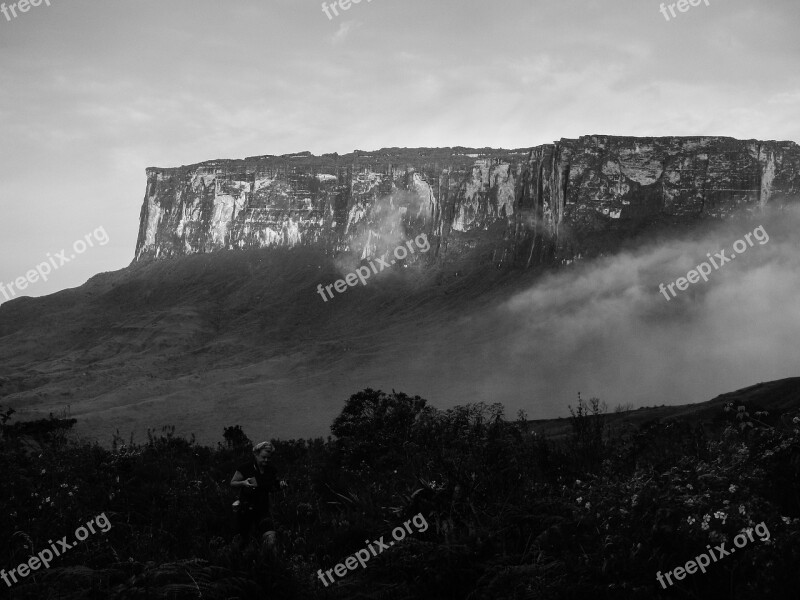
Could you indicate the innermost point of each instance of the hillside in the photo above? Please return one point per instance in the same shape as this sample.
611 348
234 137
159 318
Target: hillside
774 397
244 336
224 338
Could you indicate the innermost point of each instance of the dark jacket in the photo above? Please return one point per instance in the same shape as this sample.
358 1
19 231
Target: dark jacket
258 498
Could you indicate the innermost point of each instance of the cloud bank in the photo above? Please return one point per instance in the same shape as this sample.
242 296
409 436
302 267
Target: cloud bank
604 329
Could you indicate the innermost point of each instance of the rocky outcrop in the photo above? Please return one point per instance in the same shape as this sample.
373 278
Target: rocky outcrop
552 203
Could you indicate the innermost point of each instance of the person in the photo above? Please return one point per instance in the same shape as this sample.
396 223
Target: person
255 480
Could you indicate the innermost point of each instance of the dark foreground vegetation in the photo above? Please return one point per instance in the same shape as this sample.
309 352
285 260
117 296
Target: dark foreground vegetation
512 514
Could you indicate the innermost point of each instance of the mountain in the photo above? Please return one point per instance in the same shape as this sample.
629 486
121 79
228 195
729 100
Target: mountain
212 340
534 206
218 320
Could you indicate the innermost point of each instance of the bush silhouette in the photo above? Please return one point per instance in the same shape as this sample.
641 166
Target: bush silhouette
511 513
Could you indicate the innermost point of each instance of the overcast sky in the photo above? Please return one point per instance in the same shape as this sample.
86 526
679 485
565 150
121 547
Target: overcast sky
92 92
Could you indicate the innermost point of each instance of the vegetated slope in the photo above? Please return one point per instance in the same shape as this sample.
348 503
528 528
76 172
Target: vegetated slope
228 337
243 336
774 397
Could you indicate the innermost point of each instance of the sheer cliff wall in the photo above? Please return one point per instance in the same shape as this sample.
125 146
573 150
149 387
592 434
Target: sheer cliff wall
533 206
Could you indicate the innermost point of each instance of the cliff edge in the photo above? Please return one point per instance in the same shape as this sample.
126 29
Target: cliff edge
545 205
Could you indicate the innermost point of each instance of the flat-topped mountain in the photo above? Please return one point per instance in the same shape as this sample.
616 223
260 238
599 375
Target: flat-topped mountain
231 329
531 206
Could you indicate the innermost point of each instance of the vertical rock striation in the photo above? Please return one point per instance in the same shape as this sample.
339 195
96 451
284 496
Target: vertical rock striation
544 205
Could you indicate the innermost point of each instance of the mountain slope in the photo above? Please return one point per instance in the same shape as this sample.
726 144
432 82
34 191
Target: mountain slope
775 397
208 341
531 290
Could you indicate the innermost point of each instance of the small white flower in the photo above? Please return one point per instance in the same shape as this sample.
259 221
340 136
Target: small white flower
579 500
786 520
741 509
577 482
44 471
691 520
689 486
588 505
704 526
732 488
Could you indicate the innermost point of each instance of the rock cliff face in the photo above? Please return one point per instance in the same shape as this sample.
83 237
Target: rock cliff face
536 206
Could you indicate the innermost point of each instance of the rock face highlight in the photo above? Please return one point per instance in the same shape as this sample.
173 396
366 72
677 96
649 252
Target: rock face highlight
537 206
